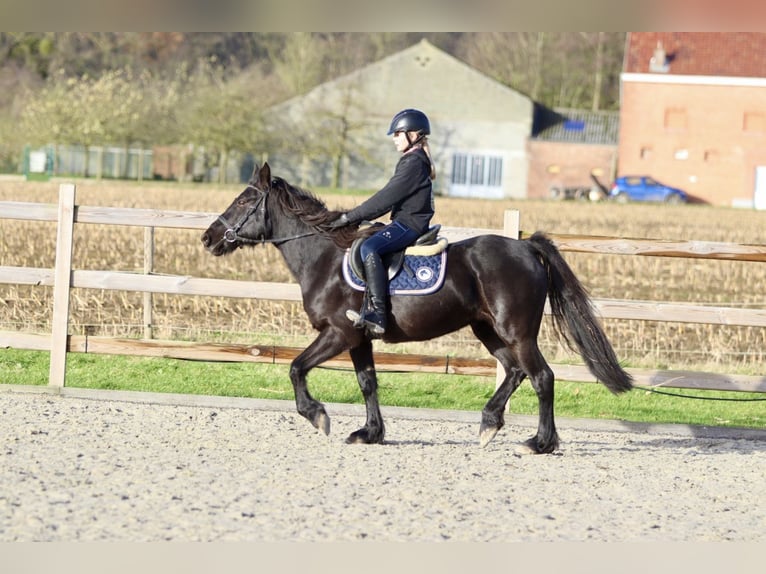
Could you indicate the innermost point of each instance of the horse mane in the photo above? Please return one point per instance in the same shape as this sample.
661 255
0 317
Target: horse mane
312 211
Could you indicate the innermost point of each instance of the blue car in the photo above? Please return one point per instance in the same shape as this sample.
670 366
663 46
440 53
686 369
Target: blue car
645 188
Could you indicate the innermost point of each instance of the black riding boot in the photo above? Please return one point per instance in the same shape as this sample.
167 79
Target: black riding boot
374 317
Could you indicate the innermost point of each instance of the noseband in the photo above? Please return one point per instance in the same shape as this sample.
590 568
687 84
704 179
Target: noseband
232 235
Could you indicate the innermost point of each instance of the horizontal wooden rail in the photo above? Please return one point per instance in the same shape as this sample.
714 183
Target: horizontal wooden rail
571 243
391 362
153 283
679 312
29 211
158 218
657 247
186 285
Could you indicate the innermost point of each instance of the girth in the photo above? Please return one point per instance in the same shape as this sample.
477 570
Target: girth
427 244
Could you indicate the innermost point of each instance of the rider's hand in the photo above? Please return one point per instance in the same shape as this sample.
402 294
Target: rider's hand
341 221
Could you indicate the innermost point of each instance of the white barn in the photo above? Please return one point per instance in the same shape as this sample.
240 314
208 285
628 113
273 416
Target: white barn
337 131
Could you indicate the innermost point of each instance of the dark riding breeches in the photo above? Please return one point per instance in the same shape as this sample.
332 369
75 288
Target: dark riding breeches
393 237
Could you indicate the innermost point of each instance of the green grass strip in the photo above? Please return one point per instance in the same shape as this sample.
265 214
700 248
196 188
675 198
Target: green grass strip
417 390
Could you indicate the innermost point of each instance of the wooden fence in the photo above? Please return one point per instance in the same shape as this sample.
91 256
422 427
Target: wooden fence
63 278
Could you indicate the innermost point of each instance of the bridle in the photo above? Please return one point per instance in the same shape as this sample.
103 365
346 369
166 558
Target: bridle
232 235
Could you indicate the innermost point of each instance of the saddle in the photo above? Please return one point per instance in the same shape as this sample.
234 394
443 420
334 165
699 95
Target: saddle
427 244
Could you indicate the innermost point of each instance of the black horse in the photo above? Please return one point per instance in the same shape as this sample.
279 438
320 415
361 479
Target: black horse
496 285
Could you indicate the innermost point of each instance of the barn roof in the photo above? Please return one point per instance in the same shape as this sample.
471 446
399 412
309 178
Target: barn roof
737 54
425 77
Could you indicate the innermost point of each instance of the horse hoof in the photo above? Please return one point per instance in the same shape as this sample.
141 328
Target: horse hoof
527 447
532 446
363 436
355 438
322 422
486 435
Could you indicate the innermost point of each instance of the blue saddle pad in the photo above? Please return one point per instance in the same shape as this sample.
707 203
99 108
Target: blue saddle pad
419 275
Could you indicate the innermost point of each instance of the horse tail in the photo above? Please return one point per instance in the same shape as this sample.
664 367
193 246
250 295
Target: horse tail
573 313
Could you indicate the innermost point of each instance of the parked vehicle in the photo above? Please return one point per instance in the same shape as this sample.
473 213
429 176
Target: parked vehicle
645 188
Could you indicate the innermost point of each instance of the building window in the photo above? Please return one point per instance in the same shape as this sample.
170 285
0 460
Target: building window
477 170
472 172
754 122
681 154
459 168
711 155
495 172
675 119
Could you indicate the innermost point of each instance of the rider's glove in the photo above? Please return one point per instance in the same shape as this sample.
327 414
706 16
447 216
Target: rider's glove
341 221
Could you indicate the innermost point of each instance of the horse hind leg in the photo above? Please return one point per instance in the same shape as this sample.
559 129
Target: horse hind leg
493 414
541 376
519 359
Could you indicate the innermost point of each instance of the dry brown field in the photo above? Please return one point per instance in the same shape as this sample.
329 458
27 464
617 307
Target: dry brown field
648 344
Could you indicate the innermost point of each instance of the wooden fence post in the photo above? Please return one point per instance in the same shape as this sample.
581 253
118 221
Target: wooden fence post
511 229
148 269
511 225
62 278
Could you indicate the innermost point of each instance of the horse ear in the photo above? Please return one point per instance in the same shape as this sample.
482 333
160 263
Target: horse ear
264 176
254 177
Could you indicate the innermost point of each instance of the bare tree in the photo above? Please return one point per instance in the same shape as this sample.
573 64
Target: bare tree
223 112
299 65
54 114
598 72
563 69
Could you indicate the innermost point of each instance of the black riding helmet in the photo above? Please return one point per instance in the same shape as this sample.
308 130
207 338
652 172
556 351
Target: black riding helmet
410 120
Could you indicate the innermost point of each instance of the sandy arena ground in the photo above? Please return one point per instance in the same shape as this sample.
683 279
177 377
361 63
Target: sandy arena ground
112 466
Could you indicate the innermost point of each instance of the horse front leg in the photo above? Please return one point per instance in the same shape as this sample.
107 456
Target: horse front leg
328 344
373 430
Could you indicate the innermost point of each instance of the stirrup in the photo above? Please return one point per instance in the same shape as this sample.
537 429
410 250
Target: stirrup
355 317
374 329
360 322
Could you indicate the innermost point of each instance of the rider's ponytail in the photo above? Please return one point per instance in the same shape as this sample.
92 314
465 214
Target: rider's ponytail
427 149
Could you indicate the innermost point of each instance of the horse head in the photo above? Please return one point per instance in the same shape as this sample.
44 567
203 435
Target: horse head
246 221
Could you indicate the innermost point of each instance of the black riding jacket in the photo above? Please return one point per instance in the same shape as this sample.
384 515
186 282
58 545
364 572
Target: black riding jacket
408 195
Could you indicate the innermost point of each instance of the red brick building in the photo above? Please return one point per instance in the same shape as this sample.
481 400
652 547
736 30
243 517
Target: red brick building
693 113
568 148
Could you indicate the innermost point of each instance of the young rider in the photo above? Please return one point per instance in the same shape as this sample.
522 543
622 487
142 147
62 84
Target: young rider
408 196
